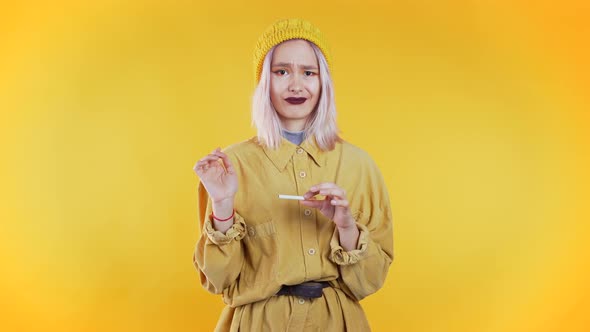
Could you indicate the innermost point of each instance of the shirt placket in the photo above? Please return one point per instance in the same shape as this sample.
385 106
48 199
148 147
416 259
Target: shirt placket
307 215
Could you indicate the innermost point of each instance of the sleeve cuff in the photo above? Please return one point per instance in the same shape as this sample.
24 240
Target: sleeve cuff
236 232
341 257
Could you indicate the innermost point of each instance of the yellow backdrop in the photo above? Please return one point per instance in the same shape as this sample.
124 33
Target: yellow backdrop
476 112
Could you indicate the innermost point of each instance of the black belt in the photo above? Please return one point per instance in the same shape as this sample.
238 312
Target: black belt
310 289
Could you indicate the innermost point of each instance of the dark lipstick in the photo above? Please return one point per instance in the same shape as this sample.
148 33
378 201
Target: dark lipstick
295 101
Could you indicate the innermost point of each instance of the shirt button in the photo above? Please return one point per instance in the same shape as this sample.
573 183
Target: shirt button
311 251
301 301
251 231
302 174
307 212
300 151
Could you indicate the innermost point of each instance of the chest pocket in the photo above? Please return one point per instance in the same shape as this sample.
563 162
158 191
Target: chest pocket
261 257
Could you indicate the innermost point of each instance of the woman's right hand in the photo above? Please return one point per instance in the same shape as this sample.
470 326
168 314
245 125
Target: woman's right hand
220 179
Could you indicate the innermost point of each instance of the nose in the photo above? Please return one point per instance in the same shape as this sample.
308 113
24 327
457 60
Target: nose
295 83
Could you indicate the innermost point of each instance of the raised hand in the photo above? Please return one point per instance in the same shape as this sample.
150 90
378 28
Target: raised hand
334 206
218 176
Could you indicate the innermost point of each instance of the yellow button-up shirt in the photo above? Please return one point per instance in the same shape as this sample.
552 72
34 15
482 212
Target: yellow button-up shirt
275 242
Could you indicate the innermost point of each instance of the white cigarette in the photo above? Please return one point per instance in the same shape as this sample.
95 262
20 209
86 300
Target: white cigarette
299 198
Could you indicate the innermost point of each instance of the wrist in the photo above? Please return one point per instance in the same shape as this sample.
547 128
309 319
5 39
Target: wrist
350 225
224 202
348 228
224 208
349 236
231 217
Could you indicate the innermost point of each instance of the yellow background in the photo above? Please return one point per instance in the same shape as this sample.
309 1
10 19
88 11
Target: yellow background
476 112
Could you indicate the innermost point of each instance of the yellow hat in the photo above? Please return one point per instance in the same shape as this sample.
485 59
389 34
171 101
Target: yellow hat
284 30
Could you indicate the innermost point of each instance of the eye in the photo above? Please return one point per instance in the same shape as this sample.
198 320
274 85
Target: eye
309 73
281 72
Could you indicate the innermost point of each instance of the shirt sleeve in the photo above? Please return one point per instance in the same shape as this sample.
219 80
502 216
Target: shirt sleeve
340 256
363 270
218 256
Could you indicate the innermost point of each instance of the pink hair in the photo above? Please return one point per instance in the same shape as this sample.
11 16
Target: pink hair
322 123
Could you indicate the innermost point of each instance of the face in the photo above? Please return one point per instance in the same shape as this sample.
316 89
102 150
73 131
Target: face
294 83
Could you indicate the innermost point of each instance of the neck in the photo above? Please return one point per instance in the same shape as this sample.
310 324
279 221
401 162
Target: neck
291 131
293 137
293 125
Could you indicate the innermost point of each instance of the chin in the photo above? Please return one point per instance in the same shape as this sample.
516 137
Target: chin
297 114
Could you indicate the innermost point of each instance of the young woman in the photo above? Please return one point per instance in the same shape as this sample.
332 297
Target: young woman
284 264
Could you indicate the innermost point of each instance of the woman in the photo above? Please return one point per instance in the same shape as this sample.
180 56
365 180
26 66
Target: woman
282 264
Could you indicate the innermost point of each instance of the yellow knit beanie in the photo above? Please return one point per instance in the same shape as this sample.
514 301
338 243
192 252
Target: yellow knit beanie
284 30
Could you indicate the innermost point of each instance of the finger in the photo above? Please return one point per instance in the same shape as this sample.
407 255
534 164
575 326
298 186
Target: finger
337 192
312 195
210 157
218 155
202 165
309 195
201 169
315 189
210 160
312 203
215 155
339 202
206 164
226 162
206 160
324 185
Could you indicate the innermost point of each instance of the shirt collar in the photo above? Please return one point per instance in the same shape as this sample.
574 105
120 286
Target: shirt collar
280 157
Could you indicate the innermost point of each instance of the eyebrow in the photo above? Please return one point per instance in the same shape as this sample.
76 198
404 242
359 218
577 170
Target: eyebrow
285 64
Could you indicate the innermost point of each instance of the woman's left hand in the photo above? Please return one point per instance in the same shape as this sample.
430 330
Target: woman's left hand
334 206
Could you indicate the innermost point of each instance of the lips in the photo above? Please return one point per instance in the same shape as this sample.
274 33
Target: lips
295 101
